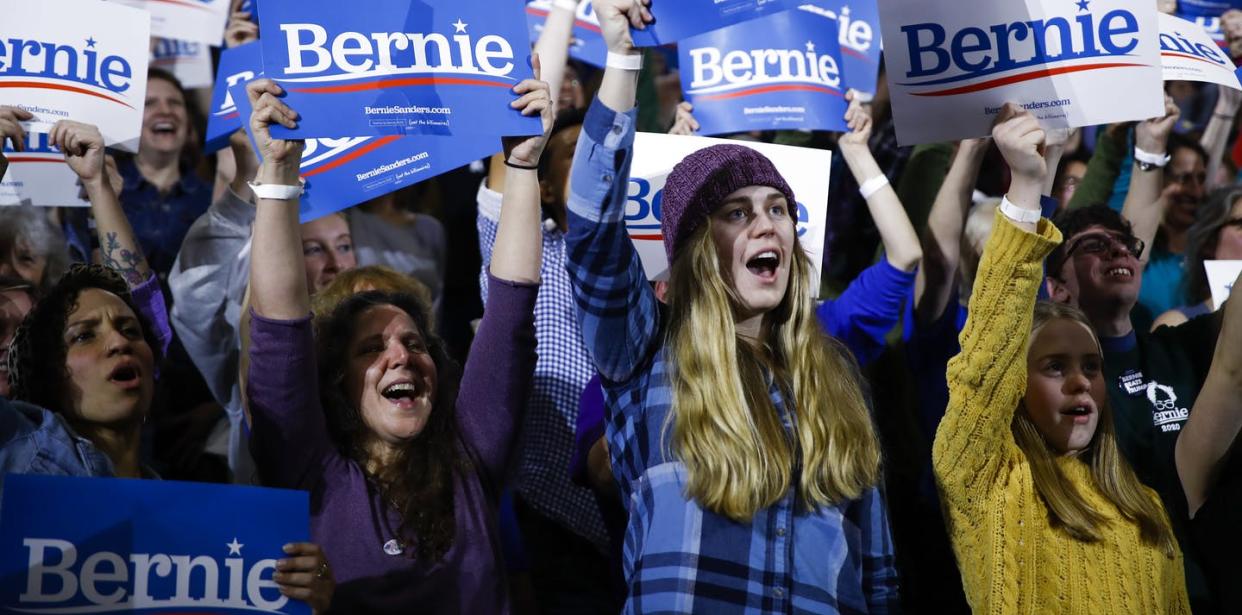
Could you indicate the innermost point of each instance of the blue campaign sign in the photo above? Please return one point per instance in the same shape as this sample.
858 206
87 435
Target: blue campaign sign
237 65
1207 14
679 19
858 23
443 67
739 79
587 44
343 172
105 545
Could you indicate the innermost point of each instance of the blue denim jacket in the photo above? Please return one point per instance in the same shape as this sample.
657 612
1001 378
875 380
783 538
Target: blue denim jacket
36 441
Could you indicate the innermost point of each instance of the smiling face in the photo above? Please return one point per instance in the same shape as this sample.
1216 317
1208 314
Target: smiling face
1099 272
1186 170
165 122
389 375
110 365
754 236
327 249
23 262
1065 384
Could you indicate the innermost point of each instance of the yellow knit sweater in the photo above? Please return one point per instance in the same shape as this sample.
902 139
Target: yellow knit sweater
1012 559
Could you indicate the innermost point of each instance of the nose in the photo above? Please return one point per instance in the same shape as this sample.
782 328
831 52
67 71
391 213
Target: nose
330 265
398 355
1077 383
118 343
763 224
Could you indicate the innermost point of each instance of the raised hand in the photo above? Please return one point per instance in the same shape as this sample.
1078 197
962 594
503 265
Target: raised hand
535 100
1153 135
240 30
684 123
617 16
83 146
859 120
281 158
11 129
1021 141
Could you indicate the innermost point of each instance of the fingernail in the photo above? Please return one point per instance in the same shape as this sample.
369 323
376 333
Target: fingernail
278 576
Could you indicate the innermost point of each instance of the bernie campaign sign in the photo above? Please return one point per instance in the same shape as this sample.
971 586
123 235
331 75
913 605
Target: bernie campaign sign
1207 13
434 67
107 545
678 19
38 175
237 65
343 172
586 44
1189 54
738 81
1070 63
858 23
82 60
655 155
189 62
200 21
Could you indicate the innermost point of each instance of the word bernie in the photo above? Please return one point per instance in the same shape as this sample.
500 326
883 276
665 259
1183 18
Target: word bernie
762 66
30 58
1020 44
388 52
106 579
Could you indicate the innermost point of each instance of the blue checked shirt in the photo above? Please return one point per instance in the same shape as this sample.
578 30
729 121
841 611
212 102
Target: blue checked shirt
677 556
546 442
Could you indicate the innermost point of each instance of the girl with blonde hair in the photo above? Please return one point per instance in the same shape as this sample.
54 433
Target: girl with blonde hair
1044 513
738 431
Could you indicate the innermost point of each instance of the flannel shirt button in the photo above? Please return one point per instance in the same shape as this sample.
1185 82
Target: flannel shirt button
780 531
607 178
778 592
616 129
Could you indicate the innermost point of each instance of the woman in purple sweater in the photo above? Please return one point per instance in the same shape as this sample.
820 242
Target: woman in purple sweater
404 459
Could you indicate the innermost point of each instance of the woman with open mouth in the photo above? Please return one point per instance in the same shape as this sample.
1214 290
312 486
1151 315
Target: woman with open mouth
1044 513
403 452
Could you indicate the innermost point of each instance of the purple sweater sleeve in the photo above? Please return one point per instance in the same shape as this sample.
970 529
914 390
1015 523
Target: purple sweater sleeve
867 310
496 382
289 437
150 301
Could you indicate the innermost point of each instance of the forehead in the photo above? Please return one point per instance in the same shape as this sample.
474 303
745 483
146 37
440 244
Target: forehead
754 193
1063 336
1185 158
384 320
1094 229
161 88
93 301
329 227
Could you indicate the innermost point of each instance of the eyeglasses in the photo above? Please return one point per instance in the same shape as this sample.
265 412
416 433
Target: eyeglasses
1099 243
1186 178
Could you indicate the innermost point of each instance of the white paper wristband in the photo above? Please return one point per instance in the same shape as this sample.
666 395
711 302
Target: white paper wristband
1156 160
625 61
1019 214
278 192
568 5
872 186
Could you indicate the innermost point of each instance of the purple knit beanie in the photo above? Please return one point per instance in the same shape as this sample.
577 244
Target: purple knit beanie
700 182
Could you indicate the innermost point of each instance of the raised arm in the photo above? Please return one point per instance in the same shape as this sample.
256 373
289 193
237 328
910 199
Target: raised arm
942 239
552 48
518 249
901 243
1216 419
1216 134
1144 205
277 280
974 443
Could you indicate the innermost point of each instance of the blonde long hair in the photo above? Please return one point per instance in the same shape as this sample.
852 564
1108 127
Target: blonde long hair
739 456
1113 476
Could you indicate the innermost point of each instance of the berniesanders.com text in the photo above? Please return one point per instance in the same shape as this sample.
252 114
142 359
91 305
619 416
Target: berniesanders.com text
1031 106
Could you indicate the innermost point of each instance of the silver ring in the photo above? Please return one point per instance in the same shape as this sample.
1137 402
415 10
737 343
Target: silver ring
322 573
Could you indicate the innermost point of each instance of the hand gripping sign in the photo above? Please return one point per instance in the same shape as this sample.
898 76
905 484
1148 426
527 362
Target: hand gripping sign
739 79
858 24
38 175
443 67
1070 62
1189 54
237 66
655 155
678 19
199 21
107 545
83 60
1207 14
587 44
343 172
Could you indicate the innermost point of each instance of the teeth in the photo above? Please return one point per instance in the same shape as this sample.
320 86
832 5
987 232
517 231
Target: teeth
768 254
402 387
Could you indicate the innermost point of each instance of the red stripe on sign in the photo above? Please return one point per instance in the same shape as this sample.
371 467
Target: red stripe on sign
771 88
189 4
361 151
648 237
29 159
1048 72
1174 54
854 52
396 83
57 86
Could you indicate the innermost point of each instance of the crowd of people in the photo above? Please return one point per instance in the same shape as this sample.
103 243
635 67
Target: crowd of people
1012 392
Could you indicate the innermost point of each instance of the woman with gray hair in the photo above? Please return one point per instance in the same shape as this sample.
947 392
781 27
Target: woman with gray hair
1215 235
31 246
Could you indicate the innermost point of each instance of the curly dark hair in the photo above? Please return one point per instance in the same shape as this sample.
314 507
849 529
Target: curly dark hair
1074 221
37 372
420 484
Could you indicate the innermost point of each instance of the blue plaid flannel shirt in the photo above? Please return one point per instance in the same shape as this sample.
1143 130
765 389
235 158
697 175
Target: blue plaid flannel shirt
677 556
